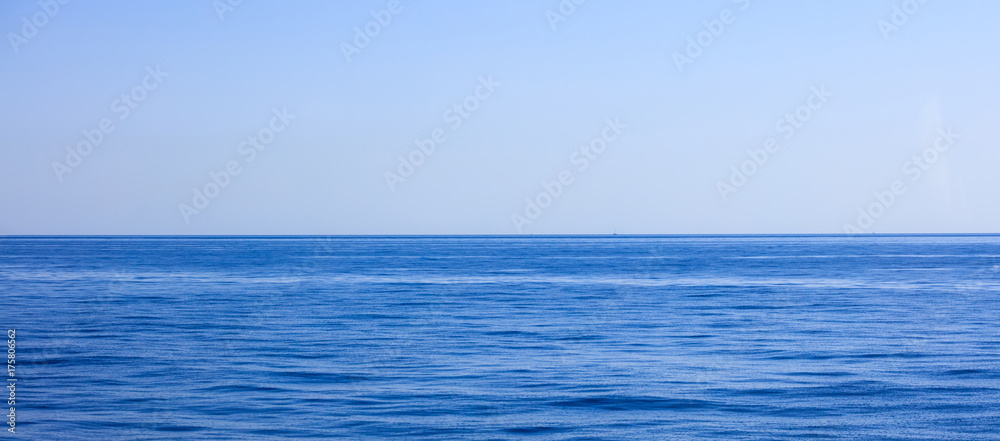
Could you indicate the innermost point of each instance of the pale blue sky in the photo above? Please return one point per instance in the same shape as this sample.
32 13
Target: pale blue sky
325 171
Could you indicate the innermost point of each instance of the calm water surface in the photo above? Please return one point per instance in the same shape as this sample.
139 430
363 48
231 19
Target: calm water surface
496 338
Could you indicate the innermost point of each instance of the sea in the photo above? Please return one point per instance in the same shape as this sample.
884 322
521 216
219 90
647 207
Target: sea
504 337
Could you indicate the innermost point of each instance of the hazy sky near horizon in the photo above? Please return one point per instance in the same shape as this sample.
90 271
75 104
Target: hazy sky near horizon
599 95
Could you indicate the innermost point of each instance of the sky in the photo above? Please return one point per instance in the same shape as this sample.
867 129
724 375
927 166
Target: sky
497 117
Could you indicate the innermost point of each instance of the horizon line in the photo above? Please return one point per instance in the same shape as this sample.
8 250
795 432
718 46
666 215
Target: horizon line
589 235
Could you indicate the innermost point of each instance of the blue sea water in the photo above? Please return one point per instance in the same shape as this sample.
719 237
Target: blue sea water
882 337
